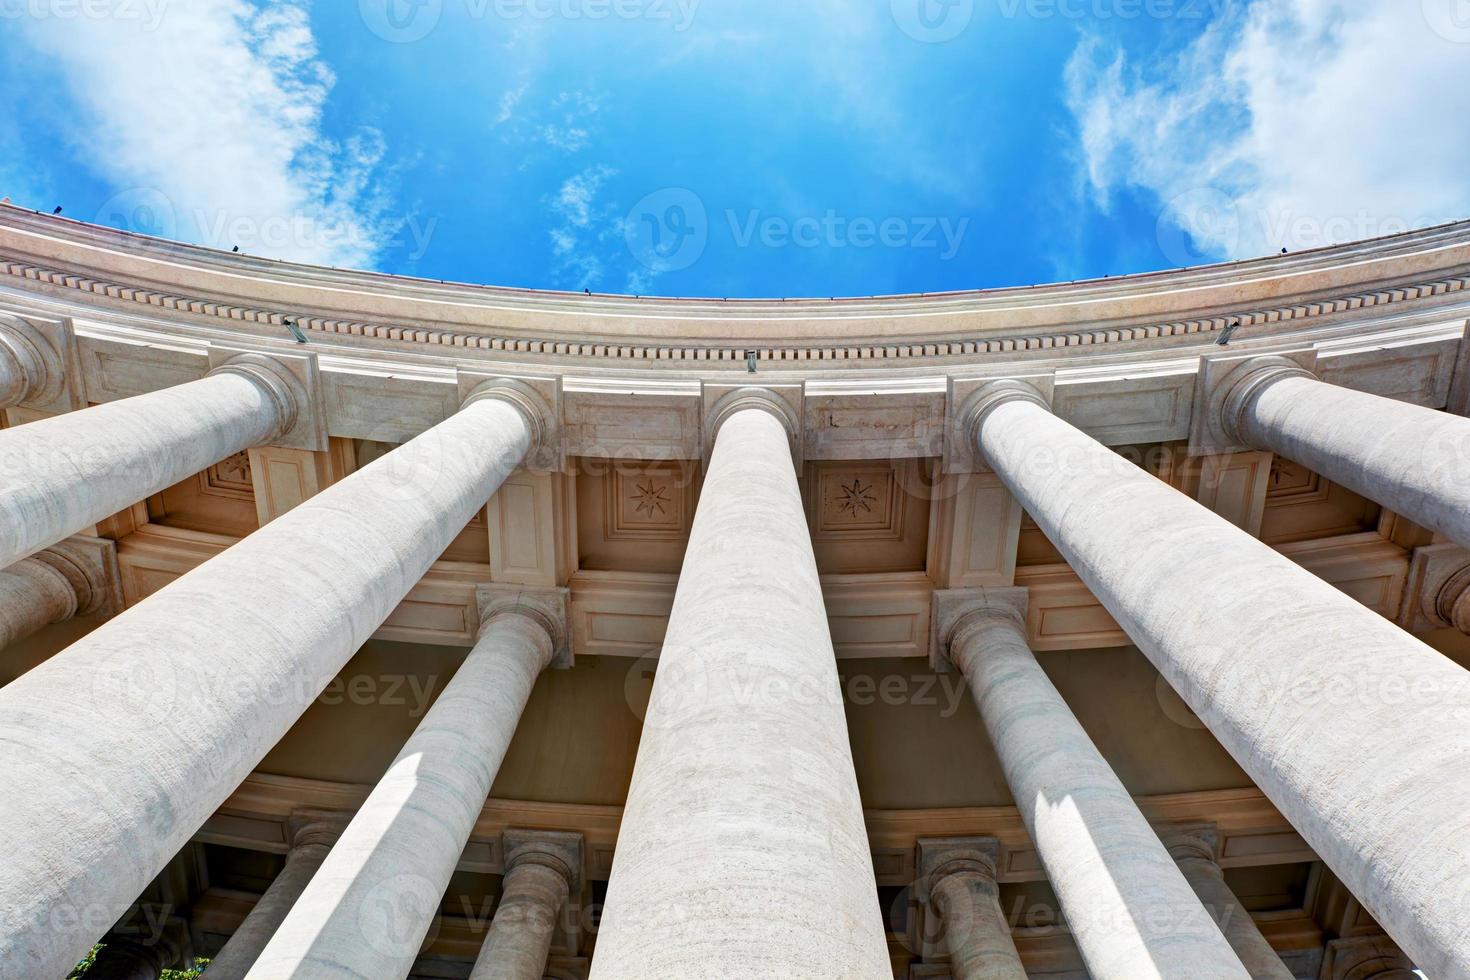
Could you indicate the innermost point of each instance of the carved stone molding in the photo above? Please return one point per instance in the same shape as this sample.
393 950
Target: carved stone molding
548 607
1199 842
90 565
39 364
1224 379
940 857
293 380
558 850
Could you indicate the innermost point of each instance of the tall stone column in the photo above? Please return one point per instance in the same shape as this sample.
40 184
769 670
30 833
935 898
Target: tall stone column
367 911
311 840
62 474
542 871
1414 460
1330 708
1195 848
957 881
1128 906
76 577
140 730
742 850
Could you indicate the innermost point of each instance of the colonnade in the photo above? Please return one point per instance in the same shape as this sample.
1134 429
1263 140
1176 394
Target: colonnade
742 850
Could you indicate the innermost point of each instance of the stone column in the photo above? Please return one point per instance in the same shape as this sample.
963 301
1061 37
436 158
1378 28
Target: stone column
139 731
368 909
1366 958
742 850
542 871
1413 460
1196 850
1128 906
60 475
76 577
311 840
127 959
1329 707
957 881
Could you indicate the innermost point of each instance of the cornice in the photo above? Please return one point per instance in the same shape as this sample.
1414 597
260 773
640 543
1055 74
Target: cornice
439 318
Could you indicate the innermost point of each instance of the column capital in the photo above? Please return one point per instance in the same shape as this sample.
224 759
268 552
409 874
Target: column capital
1366 958
549 608
560 851
291 380
1192 842
943 857
970 402
956 611
537 399
1437 593
305 828
1227 383
31 369
90 567
721 402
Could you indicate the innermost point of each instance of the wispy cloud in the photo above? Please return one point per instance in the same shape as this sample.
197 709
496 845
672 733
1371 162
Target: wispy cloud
1290 125
210 121
585 227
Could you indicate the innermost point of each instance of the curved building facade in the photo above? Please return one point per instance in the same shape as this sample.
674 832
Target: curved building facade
362 626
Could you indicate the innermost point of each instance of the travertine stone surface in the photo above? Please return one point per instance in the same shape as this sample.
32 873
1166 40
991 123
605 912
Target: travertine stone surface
157 715
541 873
309 849
1131 912
1196 850
59 475
1413 460
1359 733
742 851
957 879
368 909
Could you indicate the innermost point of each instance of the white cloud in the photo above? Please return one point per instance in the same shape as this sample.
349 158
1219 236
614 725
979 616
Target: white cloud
508 102
209 121
1287 124
586 227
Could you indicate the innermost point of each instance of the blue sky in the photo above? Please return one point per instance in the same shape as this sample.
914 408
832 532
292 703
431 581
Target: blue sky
742 147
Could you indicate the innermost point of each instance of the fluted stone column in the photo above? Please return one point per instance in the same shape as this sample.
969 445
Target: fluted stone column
310 842
1133 915
76 577
957 881
367 911
113 752
742 850
1358 733
1196 850
542 871
1413 460
60 475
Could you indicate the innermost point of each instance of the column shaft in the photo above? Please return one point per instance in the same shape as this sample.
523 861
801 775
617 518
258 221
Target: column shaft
1358 733
245 946
520 934
975 929
742 850
63 474
367 911
32 595
1235 920
1413 460
1133 915
139 731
